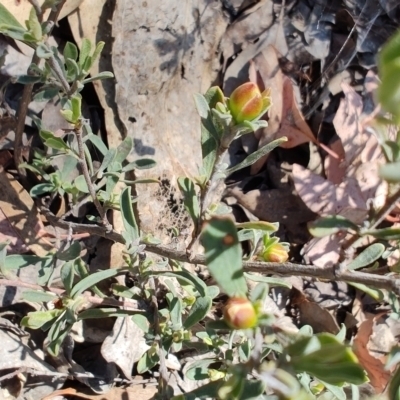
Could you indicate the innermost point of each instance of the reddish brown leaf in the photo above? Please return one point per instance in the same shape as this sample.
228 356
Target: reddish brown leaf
375 368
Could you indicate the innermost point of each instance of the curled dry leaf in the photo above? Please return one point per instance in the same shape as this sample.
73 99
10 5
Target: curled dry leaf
375 367
285 117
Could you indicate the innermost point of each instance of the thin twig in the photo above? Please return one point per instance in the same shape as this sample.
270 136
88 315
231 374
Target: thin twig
55 67
85 171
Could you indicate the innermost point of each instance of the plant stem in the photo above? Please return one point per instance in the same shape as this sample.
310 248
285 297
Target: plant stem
163 380
85 171
332 272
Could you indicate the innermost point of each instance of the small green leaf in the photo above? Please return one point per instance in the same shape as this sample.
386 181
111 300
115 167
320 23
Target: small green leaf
84 52
198 312
36 296
36 319
175 308
71 253
95 278
198 370
16 33
76 108
367 256
72 69
391 172
33 25
97 51
28 79
123 150
42 51
81 185
213 291
201 105
56 143
101 75
224 256
190 199
260 225
253 157
42 188
142 163
374 293
142 322
385 233
96 142
46 94
128 216
68 116
324 357
147 362
326 226
70 51
67 275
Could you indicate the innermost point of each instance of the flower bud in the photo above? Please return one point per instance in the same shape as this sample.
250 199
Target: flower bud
239 313
276 253
248 103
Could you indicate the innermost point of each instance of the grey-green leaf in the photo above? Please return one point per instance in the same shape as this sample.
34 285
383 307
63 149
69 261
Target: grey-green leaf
329 225
190 198
224 256
95 278
128 216
367 256
199 310
252 158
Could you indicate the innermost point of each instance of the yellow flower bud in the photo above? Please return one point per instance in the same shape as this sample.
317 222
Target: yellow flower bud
239 313
276 253
248 103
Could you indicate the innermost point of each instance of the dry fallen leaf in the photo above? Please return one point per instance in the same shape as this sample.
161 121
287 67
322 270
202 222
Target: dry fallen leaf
19 218
285 117
375 367
351 183
311 313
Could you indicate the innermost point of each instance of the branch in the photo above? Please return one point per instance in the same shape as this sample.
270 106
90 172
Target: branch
332 273
85 171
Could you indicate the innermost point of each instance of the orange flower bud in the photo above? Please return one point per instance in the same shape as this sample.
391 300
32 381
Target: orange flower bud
239 313
276 253
248 103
